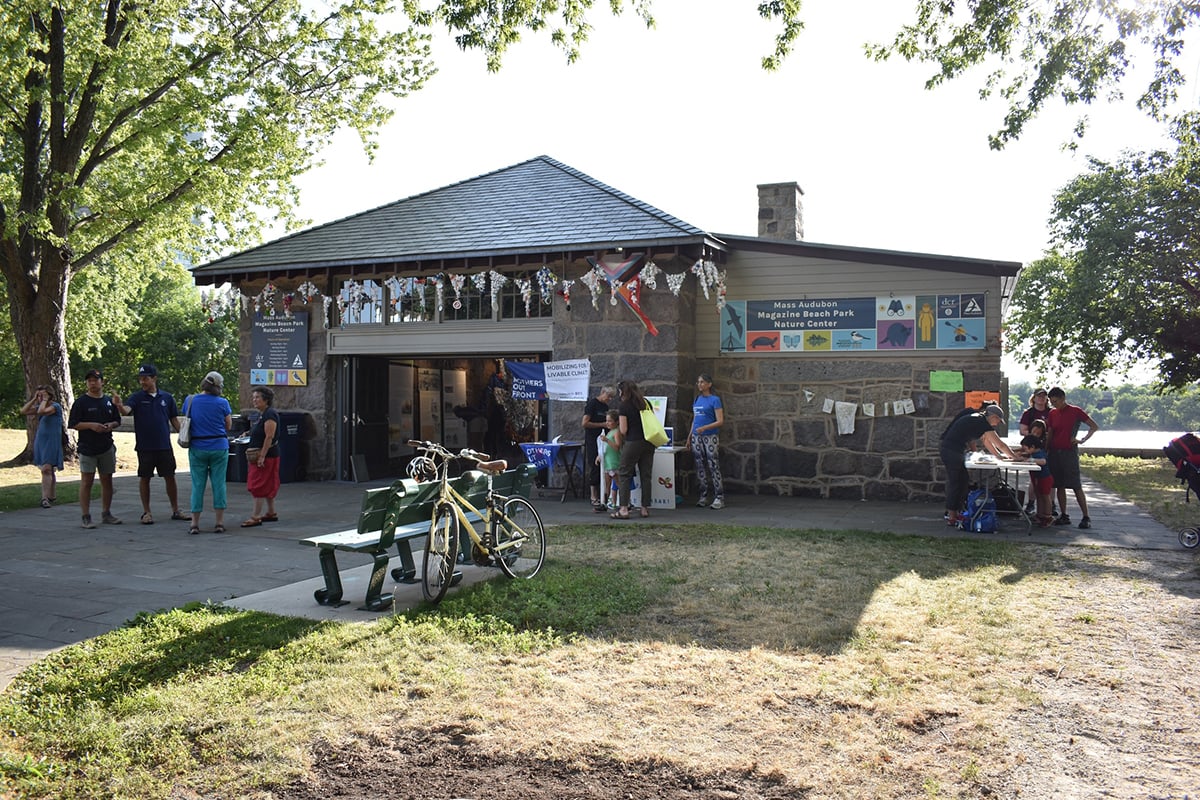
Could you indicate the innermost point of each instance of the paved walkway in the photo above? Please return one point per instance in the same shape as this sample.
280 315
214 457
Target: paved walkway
60 584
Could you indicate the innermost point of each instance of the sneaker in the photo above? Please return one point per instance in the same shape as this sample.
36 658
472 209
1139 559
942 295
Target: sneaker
718 503
87 522
702 502
1063 519
108 519
1085 523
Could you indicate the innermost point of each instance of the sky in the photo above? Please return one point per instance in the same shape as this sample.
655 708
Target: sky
683 117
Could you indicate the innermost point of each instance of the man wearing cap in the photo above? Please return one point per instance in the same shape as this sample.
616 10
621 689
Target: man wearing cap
154 418
1063 453
957 438
95 417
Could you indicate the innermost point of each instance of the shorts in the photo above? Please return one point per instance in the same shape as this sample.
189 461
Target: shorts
1043 485
150 460
105 463
1064 466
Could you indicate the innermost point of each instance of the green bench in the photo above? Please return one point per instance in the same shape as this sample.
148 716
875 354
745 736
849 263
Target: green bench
398 514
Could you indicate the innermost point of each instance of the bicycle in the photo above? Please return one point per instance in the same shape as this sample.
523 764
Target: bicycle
513 538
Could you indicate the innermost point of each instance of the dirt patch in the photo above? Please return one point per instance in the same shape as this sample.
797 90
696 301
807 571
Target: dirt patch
445 764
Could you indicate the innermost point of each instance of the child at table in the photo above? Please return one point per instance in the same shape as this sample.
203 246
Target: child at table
1041 483
612 457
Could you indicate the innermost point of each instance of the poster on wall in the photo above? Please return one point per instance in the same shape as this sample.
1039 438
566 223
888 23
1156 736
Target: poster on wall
400 409
279 350
454 393
850 324
429 404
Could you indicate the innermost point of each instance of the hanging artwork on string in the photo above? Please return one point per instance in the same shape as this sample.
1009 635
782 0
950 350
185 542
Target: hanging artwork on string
566 292
307 292
525 287
498 281
546 282
592 280
457 282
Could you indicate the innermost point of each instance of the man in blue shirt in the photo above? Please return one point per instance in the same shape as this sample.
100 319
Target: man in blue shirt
154 417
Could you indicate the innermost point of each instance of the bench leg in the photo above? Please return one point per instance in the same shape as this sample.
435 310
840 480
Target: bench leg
331 595
407 571
375 601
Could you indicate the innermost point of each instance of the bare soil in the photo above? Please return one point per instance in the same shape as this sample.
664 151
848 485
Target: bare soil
1102 704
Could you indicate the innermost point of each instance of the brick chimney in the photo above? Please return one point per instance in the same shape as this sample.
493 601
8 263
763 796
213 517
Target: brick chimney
781 211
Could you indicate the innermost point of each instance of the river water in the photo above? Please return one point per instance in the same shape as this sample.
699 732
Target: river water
1120 440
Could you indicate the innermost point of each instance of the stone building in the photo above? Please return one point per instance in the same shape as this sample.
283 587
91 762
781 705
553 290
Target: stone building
409 304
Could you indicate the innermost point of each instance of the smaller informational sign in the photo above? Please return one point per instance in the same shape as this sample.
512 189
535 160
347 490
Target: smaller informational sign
279 350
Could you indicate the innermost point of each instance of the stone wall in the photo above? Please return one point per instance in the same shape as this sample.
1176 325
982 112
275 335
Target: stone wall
776 441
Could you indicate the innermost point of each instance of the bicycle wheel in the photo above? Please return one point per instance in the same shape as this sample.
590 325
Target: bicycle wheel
520 539
441 551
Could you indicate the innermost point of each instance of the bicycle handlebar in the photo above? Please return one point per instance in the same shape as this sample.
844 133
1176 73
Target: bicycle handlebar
441 450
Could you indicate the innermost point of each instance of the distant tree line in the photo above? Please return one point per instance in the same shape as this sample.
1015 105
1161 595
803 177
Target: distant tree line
1123 408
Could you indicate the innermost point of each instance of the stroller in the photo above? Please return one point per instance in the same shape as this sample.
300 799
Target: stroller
1184 453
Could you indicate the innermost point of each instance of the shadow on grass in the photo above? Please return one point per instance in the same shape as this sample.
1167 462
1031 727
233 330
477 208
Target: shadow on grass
786 590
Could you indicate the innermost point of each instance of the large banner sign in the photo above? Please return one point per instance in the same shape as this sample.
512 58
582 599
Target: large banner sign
279 350
556 380
842 324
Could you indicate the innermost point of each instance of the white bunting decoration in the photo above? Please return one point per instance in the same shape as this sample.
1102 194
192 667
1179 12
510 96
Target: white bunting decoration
498 281
328 307
525 286
675 282
439 291
480 281
546 281
456 283
307 291
395 289
566 292
591 279
648 274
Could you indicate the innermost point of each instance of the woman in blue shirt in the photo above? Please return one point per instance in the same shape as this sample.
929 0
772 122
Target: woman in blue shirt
208 455
704 438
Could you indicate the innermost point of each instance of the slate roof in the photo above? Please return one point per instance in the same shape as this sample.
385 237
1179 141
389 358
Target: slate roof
537 206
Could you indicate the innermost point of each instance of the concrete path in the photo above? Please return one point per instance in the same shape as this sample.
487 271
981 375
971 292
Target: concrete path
60 584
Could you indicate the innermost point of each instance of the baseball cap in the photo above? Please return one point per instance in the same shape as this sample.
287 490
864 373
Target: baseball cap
994 409
93 373
216 379
1038 391
148 370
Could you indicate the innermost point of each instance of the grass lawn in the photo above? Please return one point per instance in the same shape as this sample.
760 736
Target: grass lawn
821 663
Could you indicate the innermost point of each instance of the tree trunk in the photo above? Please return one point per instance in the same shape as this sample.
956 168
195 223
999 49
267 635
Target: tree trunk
38 314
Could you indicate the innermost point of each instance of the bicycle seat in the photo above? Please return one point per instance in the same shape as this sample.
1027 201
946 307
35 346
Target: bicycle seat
494 467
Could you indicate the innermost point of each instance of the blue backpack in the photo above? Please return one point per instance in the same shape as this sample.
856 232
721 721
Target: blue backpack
980 516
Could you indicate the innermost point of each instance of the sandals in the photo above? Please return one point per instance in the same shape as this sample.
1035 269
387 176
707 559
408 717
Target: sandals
179 516
597 508
619 515
45 502
269 518
645 513
253 522
219 529
193 530
147 519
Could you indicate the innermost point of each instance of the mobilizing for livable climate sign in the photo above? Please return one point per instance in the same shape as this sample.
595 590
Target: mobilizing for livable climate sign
852 324
279 350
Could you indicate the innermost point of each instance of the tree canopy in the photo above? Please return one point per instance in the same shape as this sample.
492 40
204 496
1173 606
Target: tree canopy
1124 282
1036 50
